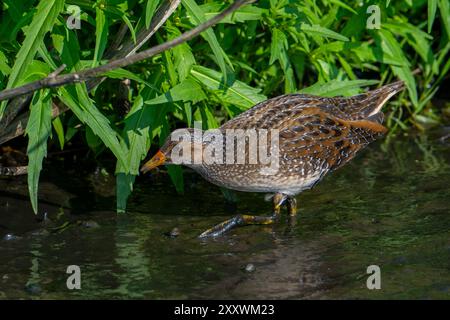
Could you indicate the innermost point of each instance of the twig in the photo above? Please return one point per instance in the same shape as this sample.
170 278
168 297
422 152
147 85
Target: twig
161 15
57 71
119 63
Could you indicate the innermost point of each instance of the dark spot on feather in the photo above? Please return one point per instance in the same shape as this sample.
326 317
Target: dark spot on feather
339 144
329 122
337 132
345 150
324 130
298 128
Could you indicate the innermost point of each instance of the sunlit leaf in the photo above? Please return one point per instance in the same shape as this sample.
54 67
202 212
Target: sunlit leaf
38 130
234 92
43 21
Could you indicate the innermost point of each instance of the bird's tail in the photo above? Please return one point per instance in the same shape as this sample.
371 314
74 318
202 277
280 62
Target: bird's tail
368 105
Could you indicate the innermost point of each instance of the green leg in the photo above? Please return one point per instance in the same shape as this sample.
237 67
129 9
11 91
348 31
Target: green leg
292 206
244 220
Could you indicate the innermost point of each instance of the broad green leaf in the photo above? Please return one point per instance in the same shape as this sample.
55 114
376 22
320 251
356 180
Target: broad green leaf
321 31
337 87
390 45
370 53
77 99
278 51
137 137
38 130
36 70
124 188
188 90
233 91
125 74
197 16
417 39
182 54
43 21
278 45
101 35
246 13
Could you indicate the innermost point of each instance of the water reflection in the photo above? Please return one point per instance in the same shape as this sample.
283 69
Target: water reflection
388 207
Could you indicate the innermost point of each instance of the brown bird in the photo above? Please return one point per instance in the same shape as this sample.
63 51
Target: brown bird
314 135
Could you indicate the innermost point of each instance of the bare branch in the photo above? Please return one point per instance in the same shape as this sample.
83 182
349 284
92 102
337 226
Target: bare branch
118 63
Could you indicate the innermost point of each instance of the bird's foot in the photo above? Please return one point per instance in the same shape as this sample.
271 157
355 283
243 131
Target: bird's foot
237 221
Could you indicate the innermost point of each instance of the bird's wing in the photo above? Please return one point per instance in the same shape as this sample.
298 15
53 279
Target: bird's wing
330 141
271 113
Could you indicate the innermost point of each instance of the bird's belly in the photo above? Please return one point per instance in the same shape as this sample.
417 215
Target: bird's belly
257 182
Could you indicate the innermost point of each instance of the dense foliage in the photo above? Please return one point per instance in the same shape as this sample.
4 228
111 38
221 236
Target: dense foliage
265 49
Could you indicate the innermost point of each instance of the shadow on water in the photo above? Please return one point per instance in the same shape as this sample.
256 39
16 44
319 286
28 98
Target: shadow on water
389 207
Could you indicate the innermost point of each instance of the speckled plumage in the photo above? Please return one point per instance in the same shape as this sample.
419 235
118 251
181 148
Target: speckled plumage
316 135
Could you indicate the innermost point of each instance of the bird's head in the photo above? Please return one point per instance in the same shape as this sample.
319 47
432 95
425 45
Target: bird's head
179 148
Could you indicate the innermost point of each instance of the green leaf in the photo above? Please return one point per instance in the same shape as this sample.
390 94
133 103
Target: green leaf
176 175
137 137
233 91
243 14
124 187
59 129
5 69
36 70
188 90
337 87
38 130
43 21
321 31
343 5
182 54
77 99
101 35
417 39
125 74
150 9
432 5
390 45
444 9
122 15
278 51
198 17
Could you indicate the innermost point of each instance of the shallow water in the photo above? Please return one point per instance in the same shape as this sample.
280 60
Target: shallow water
389 207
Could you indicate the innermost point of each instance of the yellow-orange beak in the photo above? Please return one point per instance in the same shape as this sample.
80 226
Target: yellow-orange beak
158 159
